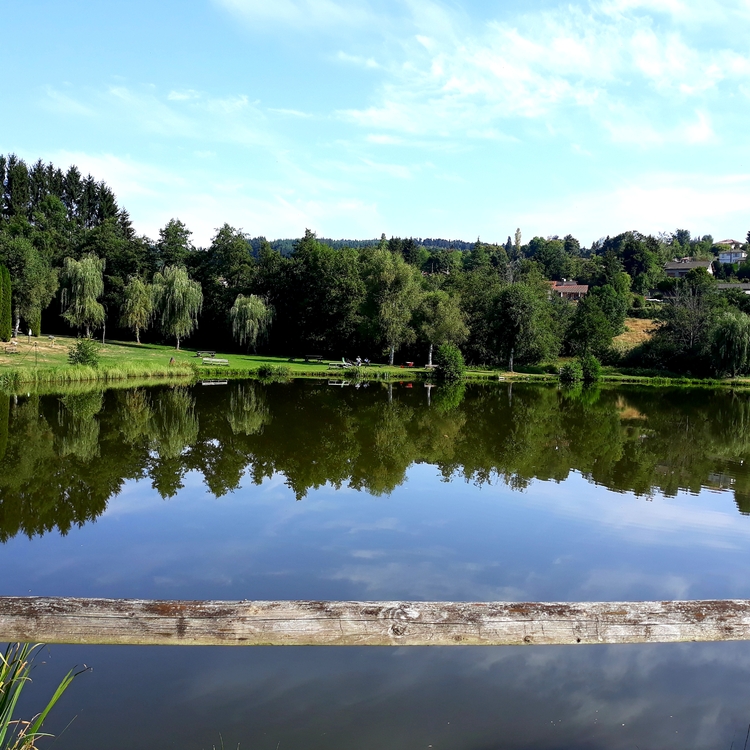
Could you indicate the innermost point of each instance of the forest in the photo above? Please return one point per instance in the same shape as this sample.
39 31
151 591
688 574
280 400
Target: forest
75 264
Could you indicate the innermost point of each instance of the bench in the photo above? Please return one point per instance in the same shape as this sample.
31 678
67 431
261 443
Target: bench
11 350
316 357
212 361
337 365
205 353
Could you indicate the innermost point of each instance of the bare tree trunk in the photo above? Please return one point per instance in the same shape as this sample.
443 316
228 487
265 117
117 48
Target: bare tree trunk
137 335
17 327
429 357
178 343
510 364
390 393
392 355
88 332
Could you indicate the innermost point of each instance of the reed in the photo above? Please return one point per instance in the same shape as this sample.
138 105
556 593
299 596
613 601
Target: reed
15 667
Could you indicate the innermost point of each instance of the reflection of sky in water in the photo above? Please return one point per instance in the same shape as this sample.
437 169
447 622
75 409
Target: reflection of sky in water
427 540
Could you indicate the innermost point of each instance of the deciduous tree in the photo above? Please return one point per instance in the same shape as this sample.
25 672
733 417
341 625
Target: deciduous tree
178 300
83 284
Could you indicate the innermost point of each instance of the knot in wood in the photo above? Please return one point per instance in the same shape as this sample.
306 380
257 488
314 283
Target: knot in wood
398 628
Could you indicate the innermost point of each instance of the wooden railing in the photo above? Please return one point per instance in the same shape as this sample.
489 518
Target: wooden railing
328 623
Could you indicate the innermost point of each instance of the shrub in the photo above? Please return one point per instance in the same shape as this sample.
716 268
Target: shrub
571 372
274 372
450 362
591 369
84 352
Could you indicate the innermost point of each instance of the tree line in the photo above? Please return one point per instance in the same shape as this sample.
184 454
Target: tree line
76 264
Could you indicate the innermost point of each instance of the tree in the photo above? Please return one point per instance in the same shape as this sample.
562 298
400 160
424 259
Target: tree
392 292
178 300
83 285
6 314
523 329
138 307
731 343
441 321
251 319
174 244
590 330
34 280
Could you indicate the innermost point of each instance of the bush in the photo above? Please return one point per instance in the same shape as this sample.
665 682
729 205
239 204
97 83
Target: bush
591 369
450 362
84 352
274 372
571 372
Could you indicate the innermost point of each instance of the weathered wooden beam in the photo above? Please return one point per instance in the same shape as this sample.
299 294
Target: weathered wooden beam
324 623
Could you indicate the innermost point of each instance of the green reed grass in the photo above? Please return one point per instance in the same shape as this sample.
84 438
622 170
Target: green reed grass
15 667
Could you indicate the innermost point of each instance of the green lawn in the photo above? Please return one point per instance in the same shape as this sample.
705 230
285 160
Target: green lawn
43 359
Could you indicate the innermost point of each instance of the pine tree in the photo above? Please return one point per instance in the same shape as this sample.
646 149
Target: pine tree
6 315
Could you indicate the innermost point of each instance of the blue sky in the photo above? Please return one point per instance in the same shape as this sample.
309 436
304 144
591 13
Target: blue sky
410 117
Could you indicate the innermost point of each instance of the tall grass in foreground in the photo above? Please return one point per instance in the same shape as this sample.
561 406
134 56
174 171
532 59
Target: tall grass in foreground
15 667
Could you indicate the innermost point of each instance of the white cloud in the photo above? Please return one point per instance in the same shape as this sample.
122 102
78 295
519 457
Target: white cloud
573 62
710 204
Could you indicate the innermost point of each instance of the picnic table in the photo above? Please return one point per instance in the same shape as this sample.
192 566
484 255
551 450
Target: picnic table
205 353
213 361
317 357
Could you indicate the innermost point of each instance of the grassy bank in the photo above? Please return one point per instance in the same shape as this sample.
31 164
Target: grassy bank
43 361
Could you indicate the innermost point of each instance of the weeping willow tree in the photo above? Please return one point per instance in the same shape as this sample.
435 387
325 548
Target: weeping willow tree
251 319
83 284
178 300
138 308
731 343
248 412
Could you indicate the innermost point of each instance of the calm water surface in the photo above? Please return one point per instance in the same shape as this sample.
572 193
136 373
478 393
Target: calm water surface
308 490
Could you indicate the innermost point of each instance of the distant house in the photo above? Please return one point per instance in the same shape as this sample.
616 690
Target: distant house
745 288
677 269
730 251
568 289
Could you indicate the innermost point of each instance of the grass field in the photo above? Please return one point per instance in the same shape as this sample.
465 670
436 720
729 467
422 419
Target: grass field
47 360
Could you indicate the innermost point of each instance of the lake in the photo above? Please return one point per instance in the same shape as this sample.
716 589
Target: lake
311 490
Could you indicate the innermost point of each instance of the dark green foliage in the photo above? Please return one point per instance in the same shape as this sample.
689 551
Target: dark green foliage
591 369
84 352
4 417
450 363
590 330
571 372
274 372
6 315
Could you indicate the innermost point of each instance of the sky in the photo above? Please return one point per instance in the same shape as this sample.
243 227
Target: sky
405 117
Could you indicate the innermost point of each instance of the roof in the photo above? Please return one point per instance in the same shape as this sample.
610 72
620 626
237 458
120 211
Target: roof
677 265
569 287
729 242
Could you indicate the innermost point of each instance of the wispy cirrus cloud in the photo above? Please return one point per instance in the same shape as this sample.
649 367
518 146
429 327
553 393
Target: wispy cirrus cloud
577 61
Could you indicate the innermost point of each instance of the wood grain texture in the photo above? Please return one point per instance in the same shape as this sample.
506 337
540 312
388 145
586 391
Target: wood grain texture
325 623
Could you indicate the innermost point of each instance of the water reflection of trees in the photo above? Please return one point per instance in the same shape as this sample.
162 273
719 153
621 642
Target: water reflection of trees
62 458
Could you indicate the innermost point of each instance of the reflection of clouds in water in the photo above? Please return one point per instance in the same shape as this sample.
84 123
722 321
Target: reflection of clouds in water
690 696
683 520
417 579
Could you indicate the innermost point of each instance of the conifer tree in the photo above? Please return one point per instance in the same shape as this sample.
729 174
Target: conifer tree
6 315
